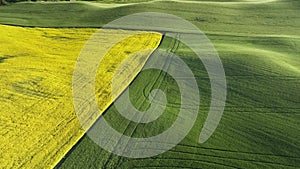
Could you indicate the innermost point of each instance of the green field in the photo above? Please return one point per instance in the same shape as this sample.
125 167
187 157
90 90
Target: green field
259 45
259 128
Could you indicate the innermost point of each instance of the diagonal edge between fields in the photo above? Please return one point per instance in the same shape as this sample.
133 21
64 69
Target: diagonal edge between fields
77 142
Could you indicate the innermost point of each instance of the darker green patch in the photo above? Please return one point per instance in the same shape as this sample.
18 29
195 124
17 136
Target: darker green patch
3 58
127 52
200 19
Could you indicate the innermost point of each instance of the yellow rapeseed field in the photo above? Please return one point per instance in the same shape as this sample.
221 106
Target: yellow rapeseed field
38 124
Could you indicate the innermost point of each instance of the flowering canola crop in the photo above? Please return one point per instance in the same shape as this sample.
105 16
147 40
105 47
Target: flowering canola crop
38 122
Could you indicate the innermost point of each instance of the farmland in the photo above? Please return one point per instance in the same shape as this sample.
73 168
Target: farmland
256 129
258 44
38 122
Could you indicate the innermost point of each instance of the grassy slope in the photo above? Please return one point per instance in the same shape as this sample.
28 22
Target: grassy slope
259 47
259 127
248 19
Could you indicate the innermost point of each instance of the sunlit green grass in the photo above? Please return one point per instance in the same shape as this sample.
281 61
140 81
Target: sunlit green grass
274 18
